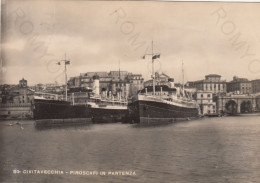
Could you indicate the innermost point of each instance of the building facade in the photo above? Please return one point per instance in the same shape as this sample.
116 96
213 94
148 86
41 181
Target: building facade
239 86
211 83
16 101
205 101
127 83
160 79
21 93
255 86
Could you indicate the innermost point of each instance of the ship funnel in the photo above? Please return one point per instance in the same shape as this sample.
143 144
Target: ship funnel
119 95
96 84
104 93
178 92
171 82
110 94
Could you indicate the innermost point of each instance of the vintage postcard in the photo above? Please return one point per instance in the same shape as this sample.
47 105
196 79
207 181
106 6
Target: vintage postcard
129 91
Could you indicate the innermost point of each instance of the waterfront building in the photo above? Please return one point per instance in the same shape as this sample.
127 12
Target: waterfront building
160 79
16 101
257 103
212 83
239 86
136 83
205 101
20 93
4 92
115 81
53 88
255 86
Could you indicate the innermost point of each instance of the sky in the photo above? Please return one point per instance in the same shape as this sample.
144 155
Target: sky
208 37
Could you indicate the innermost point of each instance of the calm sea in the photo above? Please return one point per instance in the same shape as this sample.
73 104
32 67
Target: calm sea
207 150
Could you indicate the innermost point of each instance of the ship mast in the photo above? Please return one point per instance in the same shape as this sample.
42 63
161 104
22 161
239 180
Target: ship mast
154 56
66 62
153 75
119 80
182 80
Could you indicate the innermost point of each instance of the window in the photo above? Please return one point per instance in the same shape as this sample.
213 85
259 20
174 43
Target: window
208 95
201 95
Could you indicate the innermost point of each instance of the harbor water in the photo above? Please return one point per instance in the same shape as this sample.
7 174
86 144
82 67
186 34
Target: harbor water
206 150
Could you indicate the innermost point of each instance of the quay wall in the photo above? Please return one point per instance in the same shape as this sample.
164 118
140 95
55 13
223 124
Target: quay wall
13 111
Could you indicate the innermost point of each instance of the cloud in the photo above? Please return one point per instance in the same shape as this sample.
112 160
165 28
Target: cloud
95 35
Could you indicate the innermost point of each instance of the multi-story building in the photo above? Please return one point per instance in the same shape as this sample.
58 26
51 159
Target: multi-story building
255 86
20 93
160 79
4 93
211 83
239 86
17 101
205 101
136 83
127 83
53 88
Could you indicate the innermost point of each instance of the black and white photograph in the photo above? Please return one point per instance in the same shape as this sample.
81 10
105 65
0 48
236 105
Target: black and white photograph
129 91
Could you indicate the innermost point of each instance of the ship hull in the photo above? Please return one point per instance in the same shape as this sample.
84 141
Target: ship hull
53 109
152 112
104 115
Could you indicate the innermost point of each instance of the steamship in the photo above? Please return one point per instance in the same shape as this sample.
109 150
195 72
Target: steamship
107 110
82 103
52 108
162 104
49 109
105 107
159 104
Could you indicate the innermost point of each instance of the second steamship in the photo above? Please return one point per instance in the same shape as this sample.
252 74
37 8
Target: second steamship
158 104
106 107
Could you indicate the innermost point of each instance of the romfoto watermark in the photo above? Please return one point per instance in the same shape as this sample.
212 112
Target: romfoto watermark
38 35
133 36
234 35
128 29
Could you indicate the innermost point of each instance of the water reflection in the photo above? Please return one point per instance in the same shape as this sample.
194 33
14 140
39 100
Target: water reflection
61 127
205 150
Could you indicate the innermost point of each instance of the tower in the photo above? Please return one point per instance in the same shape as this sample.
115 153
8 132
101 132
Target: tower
23 83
